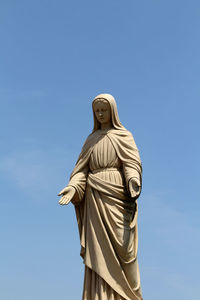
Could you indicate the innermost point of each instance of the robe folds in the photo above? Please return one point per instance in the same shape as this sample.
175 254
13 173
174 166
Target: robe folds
107 215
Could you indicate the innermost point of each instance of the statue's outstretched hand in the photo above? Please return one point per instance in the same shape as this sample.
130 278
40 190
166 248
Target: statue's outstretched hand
67 195
134 188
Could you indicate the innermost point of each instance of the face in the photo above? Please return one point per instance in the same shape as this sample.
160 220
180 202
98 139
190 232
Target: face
102 112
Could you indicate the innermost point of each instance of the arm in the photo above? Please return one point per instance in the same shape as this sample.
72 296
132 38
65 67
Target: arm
133 180
134 188
75 189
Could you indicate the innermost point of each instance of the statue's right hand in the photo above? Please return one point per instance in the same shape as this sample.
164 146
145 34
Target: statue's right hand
64 191
67 195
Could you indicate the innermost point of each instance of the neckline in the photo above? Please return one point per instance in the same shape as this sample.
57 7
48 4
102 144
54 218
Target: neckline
104 131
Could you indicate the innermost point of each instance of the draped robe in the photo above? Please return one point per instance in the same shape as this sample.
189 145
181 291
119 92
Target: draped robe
107 215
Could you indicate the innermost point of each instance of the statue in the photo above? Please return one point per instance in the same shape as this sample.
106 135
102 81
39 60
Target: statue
104 187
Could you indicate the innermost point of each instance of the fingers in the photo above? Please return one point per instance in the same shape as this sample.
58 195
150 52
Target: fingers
67 195
64 200
133 186
133 193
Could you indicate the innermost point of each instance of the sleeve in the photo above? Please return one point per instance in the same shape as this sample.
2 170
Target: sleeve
130 172
78 181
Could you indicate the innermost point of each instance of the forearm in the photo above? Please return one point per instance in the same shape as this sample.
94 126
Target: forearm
78 181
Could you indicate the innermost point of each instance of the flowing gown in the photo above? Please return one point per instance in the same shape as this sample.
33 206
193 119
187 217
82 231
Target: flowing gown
109 227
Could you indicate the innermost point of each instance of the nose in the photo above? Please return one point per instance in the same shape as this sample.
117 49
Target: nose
100 114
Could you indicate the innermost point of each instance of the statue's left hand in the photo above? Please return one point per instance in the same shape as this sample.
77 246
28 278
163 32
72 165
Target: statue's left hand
134 188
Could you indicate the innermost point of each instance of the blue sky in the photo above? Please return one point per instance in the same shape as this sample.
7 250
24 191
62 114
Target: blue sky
55 57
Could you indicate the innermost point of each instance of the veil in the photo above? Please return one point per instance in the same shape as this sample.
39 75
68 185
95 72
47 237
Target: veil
114 113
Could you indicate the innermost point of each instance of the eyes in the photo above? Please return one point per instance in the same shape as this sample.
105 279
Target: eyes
101 110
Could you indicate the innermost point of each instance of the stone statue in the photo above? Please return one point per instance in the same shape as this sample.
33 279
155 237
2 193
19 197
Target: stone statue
104 187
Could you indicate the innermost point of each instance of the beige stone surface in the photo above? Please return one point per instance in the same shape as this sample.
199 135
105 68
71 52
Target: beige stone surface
104 187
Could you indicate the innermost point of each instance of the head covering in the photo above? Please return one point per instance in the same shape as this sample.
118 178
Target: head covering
114 113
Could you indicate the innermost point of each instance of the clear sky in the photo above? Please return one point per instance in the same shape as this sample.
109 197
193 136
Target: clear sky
55 57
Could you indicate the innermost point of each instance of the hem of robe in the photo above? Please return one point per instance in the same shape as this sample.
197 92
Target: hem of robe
120 292
96 288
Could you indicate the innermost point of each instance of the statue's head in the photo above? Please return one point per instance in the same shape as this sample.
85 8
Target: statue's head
104 111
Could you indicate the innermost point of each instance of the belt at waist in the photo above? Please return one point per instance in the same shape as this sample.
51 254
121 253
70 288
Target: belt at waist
106 170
